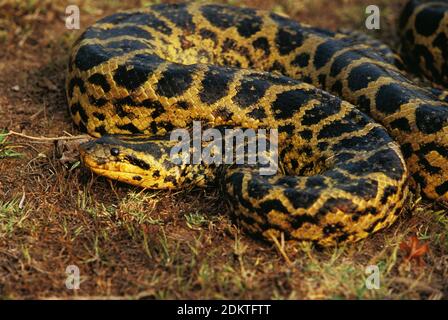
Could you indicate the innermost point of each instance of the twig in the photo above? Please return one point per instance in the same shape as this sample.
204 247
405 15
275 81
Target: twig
47 138
280 248
412 283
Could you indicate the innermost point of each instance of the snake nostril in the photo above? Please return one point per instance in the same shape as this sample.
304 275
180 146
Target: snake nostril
87 146
114 151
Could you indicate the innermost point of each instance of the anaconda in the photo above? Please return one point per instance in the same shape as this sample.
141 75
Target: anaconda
135 76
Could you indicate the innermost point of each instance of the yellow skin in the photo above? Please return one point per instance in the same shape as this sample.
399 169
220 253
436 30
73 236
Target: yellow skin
151 70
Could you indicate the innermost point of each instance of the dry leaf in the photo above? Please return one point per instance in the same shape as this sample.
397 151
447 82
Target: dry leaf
414 250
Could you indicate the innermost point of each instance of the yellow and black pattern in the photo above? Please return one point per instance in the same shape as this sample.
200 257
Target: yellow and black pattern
424 34
151 70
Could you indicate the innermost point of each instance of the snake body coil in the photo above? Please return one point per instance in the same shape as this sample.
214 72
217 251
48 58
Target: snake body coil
148 71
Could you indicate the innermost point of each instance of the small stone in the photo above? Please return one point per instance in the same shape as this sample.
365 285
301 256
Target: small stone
16 88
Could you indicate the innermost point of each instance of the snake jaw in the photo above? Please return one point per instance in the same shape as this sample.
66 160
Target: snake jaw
116 159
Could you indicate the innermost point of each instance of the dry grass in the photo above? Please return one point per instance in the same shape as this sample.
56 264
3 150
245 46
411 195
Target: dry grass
130 243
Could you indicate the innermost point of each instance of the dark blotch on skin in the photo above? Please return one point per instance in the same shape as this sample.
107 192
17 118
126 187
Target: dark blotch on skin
336 88
138 18
97 102
419 179
288 128
423 162
228 44
301 198
288 40
301 60
156 106
257 190
101 130
125 46
442 189
325 52
407 150
278 67
91 55
236 180
183 105
250 91
159 25
223 113
136 70
288 102
440 42
137 162
427 21
287 181
388 191
371 141
215 84
244 19
322 79
382 161
175 80
431 71
100 80
364 188
341 62
249 26
99 116
334 204
133 31
406 13
176 13
156 174
362 75
315 182
364 104
327 108
344 125
333 228
306 134
432 146
130 128
219 16
257 113
272 205
171 179
401 124
263 44
431 119
390 97
208 34
75 82
77 108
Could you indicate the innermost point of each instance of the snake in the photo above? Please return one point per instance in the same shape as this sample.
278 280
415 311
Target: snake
355 131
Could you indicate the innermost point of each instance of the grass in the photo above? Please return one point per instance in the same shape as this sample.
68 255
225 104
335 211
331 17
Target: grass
6 149
12 215
133 244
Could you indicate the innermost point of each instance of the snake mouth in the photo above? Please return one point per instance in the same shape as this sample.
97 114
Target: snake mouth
111 169
118 170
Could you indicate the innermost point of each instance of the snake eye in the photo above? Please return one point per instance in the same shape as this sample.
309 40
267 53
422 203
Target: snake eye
114 151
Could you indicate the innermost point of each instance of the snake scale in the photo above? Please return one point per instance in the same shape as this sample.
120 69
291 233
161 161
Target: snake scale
136 75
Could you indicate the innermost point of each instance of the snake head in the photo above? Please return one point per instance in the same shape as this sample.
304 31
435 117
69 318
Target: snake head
138 160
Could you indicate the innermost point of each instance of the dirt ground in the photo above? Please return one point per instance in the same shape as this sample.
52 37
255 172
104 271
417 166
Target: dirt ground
132 244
